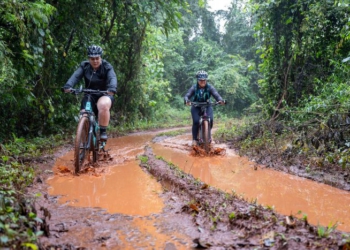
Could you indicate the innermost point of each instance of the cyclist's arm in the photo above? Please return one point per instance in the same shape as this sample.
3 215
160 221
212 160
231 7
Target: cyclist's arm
189 94
74 79
216 95
111 79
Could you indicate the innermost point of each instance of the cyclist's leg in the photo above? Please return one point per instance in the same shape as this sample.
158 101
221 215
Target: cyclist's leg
104 104
195 112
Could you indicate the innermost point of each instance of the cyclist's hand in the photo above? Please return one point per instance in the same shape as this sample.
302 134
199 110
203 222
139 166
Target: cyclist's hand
67 90
222 102
110 93
188 103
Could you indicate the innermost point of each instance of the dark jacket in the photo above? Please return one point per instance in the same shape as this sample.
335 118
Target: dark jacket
194 94
103 79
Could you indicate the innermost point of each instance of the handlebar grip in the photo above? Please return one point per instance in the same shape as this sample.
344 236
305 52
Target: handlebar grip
64 90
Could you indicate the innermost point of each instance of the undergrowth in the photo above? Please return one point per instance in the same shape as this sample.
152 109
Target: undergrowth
19 223
321 144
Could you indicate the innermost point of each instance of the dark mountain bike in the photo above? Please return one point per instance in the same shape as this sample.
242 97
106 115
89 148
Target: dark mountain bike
204 132
87 140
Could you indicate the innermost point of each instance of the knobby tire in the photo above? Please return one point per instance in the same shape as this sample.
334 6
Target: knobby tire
81 152
205 135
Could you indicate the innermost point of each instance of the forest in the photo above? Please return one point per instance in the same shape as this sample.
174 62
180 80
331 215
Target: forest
282 66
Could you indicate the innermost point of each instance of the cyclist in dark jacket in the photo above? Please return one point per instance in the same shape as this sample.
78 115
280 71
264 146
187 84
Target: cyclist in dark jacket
201 92
98 74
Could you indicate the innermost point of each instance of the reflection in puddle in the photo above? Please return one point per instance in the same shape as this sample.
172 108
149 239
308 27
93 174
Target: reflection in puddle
288 194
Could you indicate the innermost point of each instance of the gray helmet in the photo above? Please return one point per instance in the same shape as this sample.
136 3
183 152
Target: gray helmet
94 51
202 75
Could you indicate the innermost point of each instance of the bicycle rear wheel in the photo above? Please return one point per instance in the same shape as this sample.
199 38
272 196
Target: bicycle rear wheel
205 135
81 150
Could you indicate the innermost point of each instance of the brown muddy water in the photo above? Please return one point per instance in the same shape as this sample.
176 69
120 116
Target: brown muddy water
122 187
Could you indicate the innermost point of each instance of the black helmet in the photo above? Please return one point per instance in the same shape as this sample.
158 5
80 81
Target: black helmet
94 51
202 75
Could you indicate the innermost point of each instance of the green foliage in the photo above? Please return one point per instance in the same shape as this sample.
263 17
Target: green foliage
21 148
232 215
298 40
143 159
34 66
323 232
234 82
18 221
23 34
333 98
238 38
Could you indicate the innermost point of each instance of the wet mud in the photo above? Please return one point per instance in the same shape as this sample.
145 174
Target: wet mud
229 222
285 193
168 208
69 224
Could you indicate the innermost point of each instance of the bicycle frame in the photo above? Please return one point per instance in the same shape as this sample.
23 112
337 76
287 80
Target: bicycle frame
94 127
87 140
203 117
92 123
204 132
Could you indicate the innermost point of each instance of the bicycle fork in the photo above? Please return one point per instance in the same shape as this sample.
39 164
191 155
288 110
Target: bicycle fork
202 118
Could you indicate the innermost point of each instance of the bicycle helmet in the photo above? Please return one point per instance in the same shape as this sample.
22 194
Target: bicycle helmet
94 51
202 75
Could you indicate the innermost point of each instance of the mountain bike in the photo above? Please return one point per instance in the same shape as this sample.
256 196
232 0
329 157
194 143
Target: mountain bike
204 132
87 140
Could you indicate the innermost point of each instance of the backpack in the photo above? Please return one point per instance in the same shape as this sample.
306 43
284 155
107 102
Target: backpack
205 96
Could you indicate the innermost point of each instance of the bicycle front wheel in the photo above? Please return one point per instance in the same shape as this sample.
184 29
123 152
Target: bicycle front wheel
81 147
205 136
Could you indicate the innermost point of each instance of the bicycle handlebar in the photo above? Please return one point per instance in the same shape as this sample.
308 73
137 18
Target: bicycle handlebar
203 104
86 91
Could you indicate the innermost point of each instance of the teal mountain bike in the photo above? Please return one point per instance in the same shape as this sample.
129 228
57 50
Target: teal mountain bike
87 142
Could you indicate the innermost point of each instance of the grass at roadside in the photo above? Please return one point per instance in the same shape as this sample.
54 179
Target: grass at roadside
19 223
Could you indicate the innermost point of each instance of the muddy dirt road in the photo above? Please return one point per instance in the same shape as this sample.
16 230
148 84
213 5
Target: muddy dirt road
218 202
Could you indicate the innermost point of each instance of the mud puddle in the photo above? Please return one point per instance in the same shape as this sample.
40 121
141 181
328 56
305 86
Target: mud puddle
287 194
121 206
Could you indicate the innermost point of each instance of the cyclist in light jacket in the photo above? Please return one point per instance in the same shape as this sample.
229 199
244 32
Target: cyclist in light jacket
98 74
201 92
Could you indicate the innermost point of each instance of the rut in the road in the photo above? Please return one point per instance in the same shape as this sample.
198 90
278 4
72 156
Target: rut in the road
227 220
